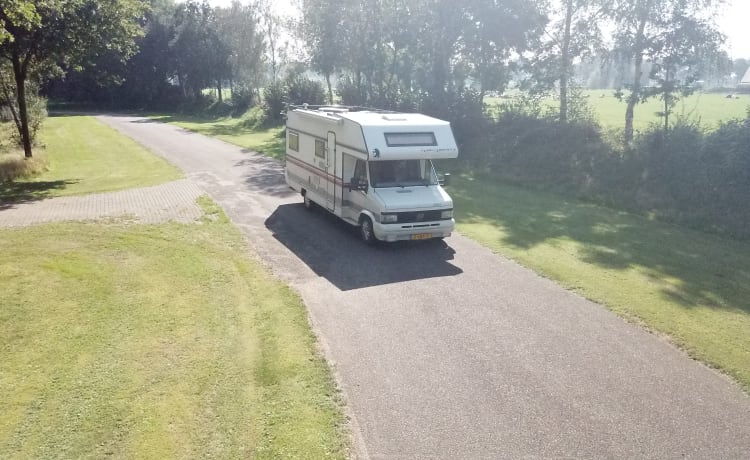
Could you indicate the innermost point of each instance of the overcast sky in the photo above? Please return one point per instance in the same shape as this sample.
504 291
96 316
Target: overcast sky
734 21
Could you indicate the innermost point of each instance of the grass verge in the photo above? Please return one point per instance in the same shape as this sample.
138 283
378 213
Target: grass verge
693 287
160 341
85 156
266 141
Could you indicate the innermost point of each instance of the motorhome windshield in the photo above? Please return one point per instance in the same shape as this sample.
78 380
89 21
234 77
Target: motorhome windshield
402 173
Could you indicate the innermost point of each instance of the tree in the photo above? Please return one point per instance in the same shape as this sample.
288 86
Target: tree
61 33
240 30
202 58
577 35
497 31
321 30
662 32
677 63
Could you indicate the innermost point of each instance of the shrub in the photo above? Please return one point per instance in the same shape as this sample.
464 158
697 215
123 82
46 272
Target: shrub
302 90
274 102
255 118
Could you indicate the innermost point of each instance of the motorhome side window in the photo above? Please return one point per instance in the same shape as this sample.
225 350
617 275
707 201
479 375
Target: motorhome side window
320 148
294 141
410 139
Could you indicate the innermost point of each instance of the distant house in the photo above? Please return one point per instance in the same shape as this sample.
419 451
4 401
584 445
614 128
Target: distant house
745 82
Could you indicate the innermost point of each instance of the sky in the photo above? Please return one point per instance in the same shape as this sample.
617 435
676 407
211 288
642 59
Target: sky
733 20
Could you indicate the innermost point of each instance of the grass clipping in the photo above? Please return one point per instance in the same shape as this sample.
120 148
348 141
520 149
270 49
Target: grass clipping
157 341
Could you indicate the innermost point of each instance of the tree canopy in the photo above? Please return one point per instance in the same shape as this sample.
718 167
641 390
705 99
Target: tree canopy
45 36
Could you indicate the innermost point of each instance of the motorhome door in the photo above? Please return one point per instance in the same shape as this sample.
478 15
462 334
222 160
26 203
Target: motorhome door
331 170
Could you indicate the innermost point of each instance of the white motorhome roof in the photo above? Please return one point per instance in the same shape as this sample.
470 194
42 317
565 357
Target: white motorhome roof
377 126
366 118
389 135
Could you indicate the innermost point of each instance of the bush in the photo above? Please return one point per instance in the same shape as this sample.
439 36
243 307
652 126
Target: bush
350 93
255 118
274 102
302 90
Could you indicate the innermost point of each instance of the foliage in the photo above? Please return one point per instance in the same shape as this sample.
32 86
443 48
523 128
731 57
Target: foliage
576 35
274 102
302 90
674 35
62 34
239 28
202 58
681 175
36 105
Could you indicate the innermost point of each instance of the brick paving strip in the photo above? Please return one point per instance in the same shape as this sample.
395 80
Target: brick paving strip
173 201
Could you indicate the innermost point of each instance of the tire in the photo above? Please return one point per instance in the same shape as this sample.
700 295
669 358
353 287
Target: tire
308 202
366 231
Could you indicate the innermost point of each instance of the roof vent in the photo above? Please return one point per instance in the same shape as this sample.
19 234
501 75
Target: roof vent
394 117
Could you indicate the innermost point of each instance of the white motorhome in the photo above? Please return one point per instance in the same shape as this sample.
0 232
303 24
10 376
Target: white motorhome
373 169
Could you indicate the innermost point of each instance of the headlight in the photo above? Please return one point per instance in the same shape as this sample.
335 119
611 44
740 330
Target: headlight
447 214
389 218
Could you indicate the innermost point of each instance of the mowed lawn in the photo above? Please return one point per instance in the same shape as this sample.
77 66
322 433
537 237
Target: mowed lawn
233 131
83 156
154 341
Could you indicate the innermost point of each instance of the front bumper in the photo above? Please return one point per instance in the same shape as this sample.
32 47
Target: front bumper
411 231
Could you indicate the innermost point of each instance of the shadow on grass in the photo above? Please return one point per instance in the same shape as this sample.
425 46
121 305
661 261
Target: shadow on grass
703 270
19 192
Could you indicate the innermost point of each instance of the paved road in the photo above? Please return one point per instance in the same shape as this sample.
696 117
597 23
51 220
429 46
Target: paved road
448 351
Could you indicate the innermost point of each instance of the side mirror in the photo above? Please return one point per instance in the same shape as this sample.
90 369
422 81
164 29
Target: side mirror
357 184
446 180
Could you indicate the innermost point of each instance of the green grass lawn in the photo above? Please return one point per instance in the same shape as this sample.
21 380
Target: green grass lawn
85 156
228 129
708 108
693 287
157 341
162 341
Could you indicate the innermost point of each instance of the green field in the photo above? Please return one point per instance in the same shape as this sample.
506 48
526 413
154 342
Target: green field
708 108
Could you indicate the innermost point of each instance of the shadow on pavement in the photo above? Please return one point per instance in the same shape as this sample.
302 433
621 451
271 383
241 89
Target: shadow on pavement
12 193
333 250
267 175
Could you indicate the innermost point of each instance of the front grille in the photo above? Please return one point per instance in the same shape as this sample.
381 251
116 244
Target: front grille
419 216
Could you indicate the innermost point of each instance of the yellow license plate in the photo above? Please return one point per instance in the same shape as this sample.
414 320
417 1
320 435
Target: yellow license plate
422 236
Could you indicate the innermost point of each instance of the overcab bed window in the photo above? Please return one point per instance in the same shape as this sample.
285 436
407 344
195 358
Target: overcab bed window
410 139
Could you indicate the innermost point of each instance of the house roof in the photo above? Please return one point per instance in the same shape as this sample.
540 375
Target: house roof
746 79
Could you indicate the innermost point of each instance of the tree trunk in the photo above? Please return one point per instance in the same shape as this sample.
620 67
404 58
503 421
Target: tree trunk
565 65
20 77
635 93
330 90
218 88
